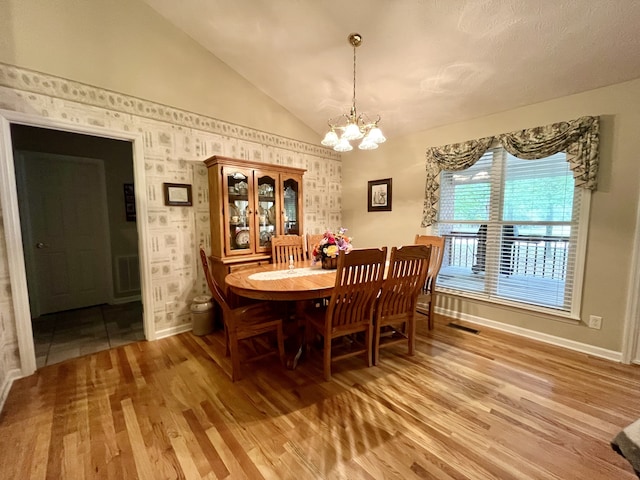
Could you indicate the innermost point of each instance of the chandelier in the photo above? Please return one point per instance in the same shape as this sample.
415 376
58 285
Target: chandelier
353 126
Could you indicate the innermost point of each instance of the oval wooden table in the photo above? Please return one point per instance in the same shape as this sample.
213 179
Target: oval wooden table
287 286
276 282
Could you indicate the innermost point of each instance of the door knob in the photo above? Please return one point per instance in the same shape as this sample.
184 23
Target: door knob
42 245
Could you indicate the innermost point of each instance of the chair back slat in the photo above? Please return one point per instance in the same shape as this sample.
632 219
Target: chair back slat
408 268
358 281
437 253
313 239
283 247
427 298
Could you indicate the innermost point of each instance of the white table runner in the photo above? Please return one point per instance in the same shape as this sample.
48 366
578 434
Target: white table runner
280 274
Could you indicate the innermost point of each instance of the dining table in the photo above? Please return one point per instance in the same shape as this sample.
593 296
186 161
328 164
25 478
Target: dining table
305 281
297 282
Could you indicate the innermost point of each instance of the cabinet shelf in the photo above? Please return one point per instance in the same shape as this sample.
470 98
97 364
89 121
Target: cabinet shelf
238 197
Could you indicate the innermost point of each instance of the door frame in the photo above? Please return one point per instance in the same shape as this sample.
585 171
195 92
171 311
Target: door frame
13 234
631 327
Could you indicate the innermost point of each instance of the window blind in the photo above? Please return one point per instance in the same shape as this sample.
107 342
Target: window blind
511 229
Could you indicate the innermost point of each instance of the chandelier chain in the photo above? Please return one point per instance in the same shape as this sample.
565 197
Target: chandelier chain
354 79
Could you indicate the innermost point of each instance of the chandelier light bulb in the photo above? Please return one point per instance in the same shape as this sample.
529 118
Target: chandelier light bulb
352 132
330 139
367 144
343 146
375 135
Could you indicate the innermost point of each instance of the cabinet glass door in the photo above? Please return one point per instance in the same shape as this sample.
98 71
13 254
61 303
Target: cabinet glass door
291 208
238 210
266 210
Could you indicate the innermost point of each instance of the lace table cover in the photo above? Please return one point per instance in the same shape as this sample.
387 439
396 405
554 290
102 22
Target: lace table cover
280 274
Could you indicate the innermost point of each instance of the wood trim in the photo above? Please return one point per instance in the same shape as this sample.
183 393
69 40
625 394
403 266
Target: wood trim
237 162
535 335
631 327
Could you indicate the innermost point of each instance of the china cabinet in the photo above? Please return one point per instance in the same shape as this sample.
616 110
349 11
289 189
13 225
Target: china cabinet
249 202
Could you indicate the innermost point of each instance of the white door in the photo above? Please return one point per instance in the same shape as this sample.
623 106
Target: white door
62 203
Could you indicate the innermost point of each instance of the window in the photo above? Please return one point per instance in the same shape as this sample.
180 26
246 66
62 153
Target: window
512 229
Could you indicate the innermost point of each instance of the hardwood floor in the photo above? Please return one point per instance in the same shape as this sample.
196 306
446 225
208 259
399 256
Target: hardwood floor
466 406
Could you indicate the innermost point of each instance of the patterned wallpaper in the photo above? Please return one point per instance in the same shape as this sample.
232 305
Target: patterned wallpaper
175 143
9 356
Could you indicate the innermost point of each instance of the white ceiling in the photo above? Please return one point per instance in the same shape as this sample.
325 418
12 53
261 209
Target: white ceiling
422 63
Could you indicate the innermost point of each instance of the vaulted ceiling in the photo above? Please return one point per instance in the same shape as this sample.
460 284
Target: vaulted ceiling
422 63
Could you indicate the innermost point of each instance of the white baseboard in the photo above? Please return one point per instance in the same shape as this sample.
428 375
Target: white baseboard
173 331
6 388
542 337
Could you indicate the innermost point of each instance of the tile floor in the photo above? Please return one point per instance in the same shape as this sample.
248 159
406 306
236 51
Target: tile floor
63 335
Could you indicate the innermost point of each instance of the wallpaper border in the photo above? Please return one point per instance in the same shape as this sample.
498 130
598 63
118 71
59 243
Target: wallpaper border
19 78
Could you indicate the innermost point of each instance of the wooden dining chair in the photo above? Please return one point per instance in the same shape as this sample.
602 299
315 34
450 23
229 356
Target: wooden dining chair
427 298
313 239
350 308
244 322
394 316
283 247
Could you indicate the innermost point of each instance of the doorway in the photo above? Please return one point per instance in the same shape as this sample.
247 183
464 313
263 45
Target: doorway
72 215
8 195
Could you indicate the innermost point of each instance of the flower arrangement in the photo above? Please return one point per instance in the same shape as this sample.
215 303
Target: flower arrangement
331 244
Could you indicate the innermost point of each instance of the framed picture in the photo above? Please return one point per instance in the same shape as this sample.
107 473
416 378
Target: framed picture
129 202
177 194
379 197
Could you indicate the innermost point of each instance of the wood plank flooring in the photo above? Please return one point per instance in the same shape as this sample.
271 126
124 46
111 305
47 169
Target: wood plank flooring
466 406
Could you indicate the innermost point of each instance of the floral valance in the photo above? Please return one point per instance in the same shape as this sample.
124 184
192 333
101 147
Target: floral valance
578 138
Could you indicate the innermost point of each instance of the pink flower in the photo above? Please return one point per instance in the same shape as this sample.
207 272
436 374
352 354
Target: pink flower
331 244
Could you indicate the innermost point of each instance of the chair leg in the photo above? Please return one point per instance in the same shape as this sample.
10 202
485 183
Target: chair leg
376 343
432 307
235 357
227 351
411 327
369 341
280 335
327 357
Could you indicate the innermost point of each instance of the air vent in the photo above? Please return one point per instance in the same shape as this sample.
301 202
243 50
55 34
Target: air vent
127 274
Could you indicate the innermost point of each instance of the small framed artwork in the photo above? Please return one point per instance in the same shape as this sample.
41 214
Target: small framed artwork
379 197
129 202
177 194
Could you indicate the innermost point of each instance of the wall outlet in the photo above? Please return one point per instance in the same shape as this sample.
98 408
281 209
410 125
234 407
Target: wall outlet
595 322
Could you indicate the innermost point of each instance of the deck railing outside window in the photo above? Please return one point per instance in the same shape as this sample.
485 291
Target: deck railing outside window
513 226
537 256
